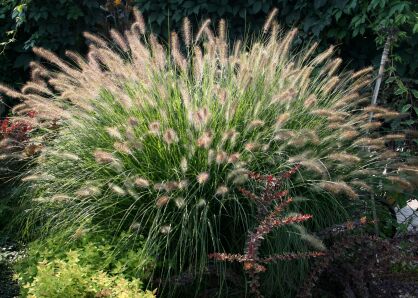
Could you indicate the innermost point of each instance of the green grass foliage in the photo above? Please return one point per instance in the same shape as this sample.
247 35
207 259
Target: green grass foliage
154 141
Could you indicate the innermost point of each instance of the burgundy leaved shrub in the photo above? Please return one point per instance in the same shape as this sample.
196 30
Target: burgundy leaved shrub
271 205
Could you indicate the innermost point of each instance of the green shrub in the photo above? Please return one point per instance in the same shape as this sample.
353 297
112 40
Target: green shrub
82 264
154 142
67 277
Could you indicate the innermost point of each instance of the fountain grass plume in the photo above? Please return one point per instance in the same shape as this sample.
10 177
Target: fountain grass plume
155 140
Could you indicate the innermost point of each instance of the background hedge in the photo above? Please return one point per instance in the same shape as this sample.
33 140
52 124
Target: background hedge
358 27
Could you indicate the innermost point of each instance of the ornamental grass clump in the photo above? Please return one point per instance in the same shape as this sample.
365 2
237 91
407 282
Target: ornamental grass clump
155 140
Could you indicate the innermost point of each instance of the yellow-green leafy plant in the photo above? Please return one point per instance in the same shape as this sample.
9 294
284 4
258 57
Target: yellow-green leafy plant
154 140
97 252
68 278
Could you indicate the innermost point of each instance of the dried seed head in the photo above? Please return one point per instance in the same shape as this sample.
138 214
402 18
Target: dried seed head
159 186
388 154
334 66
209 34
117 189
139 20
347 100
170 186
41 89
166 229
88 191
269 20
70 156
240 179
274 32
221 190
118 38
133 121
10 92
233 158
202 29
211 156
103 157
237 48
281 120
349 134
324 112
375 109
178 57
284 97
183 165
222 30
339 188
170 136
158 52
60 198
154 128
230 135
360 85
141 182
205 140
371 125
221 157
336 118
344 157
162 201
187 33
387 115
114 133
284 135
362 185
394 137
183 184
31 178
405 184
312 165
251 146
201 117
364 172
362 72
122 147
136 226
79 233
256 123
202 178
180 202
310 101
98 41
323 56
408 170
369 142
309 51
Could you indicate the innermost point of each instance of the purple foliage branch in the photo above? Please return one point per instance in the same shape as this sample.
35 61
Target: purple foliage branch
269 218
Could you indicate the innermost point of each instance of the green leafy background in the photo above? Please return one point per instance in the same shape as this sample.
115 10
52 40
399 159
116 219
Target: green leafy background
358 27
